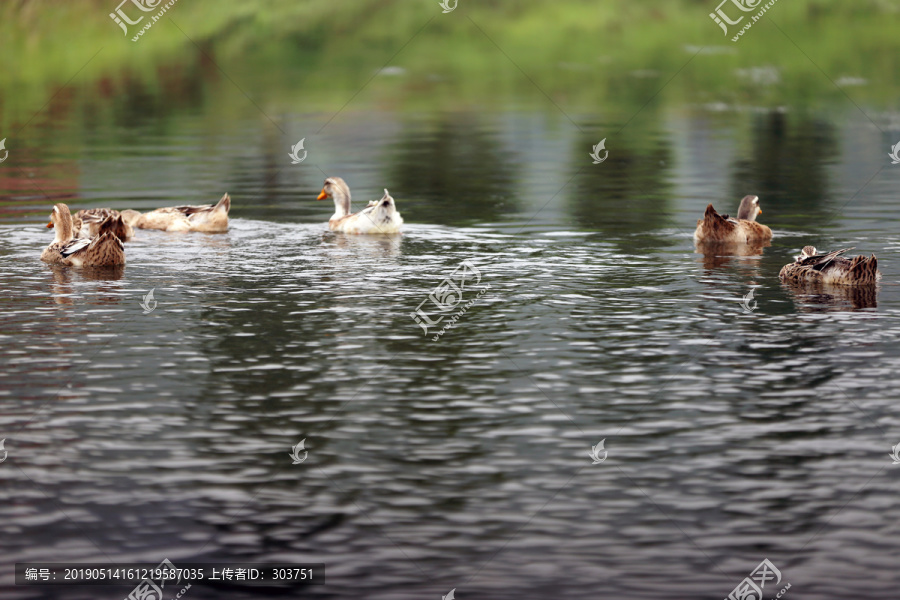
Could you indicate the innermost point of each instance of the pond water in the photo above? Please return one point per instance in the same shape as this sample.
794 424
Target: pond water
732 436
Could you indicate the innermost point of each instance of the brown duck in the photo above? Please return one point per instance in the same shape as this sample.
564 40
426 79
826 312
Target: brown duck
104 250
714 227
831 267
87 223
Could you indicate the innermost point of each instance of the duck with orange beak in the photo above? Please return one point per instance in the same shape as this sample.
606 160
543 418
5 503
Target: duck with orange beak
101 251
380 216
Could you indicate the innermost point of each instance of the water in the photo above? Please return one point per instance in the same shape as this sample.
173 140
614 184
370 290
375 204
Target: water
463 462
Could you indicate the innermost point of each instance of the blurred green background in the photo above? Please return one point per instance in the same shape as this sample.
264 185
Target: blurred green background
240 82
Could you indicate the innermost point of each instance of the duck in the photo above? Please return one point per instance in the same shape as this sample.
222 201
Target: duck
86 223
379 216
831 268
205 218
714 227
104 250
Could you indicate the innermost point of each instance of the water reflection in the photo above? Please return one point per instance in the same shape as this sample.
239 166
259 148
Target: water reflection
717 255
370 246
65 278
820 297
455 162
787 167
630 192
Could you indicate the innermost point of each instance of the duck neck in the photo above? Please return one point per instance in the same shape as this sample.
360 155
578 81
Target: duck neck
63 227
341 199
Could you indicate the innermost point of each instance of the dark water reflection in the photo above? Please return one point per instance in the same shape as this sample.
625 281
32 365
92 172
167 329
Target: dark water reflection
457 165
788 165
630 192
461 463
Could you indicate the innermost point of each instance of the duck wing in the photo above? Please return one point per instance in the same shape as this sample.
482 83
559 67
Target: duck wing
191 210
73 246
821 261
96 215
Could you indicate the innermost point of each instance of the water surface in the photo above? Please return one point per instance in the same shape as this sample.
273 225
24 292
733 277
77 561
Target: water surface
461 463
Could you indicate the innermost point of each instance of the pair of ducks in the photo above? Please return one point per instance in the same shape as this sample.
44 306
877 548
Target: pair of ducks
808 267
96 237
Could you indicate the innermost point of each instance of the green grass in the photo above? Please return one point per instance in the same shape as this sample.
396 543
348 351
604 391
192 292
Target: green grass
313 55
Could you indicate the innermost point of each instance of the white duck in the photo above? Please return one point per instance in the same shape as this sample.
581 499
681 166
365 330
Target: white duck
380 216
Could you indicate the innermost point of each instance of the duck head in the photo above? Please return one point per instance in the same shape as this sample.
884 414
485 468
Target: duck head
749 208
336 189
61 222
807 252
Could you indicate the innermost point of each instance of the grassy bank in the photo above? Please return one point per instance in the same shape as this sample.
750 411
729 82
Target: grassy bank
588 57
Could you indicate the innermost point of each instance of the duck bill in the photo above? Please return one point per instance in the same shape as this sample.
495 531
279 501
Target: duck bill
49 225
322 195
760 210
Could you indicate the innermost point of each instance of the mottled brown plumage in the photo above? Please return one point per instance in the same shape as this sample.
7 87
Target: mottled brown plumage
104 250
831 268
87 223
714 227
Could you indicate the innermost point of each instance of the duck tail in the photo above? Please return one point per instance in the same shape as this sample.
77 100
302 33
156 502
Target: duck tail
714 225
108 249
114 225
224 205
107 225
864 269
